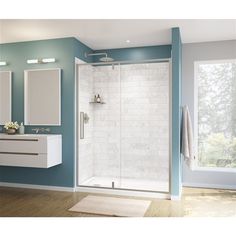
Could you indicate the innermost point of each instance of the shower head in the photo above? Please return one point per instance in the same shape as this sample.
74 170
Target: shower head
106 59
103 59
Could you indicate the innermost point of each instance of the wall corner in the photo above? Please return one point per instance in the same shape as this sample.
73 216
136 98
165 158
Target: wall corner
176 111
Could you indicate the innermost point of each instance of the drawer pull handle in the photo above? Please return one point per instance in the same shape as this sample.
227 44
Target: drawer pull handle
14 139
20 153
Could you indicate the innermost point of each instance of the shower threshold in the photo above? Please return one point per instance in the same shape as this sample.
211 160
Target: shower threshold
126 186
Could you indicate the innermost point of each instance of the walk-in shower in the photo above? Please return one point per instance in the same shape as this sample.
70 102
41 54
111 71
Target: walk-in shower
124 137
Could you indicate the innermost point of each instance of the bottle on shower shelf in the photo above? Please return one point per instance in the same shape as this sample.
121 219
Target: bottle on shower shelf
95 98
98 99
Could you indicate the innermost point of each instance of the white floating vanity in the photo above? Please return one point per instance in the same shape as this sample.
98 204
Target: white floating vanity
30 150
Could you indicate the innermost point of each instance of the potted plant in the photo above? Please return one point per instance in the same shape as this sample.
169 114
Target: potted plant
11 127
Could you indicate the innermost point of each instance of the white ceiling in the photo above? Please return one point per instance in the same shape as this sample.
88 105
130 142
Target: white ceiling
102 34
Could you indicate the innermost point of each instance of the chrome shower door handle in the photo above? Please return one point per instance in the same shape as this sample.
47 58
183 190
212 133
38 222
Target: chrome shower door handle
81 125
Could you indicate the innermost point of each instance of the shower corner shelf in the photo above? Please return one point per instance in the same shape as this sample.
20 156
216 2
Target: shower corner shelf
97 102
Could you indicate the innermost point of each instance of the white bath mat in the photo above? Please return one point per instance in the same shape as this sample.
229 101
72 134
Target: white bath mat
111 206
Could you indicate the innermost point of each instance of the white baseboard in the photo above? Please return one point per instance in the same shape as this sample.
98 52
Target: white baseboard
215 186
180 190
33 186
175 197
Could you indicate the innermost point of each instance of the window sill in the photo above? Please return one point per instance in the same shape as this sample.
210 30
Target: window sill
215 169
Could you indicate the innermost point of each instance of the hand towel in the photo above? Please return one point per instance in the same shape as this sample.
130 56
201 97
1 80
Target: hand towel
187 148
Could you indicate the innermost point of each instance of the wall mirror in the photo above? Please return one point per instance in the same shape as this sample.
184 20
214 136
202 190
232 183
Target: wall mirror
42 97
5 97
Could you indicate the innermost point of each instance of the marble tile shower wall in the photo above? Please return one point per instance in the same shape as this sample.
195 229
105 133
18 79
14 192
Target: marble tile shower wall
131 131
106 125
145 121
86 145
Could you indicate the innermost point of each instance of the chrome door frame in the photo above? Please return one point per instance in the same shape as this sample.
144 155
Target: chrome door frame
77 65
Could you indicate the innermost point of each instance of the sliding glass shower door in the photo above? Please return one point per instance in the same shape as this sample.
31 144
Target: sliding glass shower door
125 141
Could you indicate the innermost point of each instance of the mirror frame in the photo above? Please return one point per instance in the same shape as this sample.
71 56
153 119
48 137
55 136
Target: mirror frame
26 78
10 96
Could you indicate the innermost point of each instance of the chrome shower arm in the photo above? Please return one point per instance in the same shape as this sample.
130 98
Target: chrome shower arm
95 54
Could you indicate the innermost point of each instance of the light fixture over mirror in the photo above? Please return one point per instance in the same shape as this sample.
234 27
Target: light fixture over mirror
41 61
33 61
3 63
48 60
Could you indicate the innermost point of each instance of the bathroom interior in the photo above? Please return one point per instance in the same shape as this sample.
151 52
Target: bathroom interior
102 117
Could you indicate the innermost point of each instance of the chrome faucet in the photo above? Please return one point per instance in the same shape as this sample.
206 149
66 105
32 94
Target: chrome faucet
41 130
36 130
46 130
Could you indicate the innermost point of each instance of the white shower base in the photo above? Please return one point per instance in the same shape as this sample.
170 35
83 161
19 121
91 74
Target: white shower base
127 183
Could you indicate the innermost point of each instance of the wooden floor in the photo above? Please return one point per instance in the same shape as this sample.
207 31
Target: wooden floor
195 202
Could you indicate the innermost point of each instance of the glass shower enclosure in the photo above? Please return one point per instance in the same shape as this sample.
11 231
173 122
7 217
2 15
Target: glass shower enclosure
124 126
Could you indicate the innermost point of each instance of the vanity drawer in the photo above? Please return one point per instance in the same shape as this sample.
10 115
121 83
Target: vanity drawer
28 145
24 160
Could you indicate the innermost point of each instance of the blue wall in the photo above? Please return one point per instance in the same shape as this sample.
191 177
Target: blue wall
176 111
64 50
137 53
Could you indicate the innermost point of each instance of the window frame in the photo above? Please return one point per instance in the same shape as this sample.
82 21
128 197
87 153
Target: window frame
195 126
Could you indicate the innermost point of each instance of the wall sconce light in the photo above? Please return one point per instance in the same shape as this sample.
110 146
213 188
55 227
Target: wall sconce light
33 61
3 63
48 60
41 61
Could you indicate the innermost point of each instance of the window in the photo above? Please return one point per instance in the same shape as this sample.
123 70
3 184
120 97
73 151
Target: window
216 113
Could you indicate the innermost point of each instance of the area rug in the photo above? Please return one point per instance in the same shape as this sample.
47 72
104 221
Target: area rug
111 206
